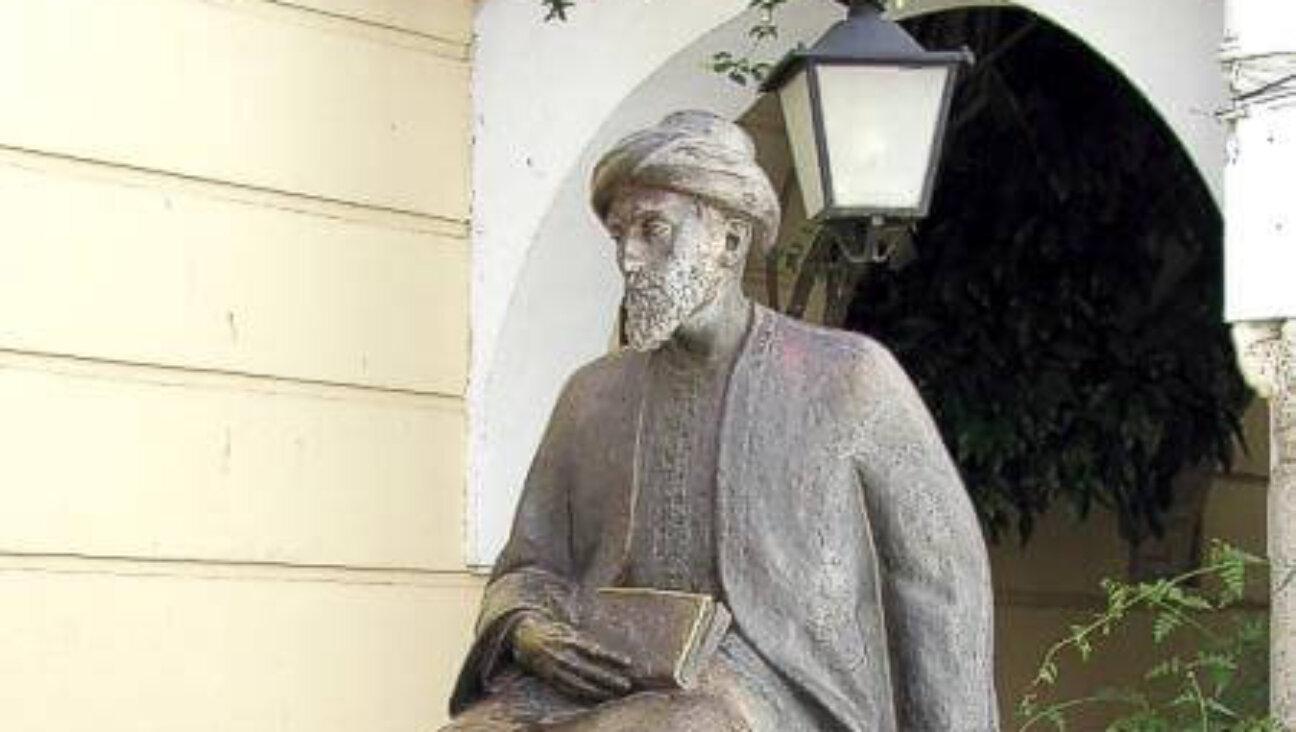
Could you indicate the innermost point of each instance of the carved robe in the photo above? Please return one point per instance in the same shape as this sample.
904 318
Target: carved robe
844 543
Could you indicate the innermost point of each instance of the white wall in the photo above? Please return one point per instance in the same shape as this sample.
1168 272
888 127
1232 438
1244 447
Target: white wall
545 289
1259 209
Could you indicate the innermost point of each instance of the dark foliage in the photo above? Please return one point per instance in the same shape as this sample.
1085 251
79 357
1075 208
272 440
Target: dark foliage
1063 314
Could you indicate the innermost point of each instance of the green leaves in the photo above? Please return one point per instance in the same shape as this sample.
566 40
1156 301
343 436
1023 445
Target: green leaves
1211 676
556 10
740 70
1165 624
744 68
1232 564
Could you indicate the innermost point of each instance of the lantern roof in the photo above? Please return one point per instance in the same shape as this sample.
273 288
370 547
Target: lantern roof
864 37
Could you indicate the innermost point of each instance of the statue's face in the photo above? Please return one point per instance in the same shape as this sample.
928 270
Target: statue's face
669 250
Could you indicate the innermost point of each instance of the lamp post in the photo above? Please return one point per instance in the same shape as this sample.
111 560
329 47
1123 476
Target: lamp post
866 108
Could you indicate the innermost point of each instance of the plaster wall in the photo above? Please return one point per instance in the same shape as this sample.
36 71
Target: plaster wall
234 277
1260 50
544 285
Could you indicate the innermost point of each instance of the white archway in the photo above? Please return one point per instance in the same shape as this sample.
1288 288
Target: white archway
545 288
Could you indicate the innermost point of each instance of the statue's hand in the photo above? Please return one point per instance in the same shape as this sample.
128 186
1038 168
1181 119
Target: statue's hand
571 662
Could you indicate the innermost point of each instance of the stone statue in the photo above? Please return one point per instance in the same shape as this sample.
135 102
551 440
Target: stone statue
789 471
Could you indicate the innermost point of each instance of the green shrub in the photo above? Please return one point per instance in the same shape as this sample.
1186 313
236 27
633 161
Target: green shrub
1213 678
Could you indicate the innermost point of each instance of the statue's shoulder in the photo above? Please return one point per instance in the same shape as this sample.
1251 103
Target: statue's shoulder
830 348
605 375
612 366
852 372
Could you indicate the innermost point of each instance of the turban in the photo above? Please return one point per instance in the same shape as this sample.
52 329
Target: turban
695 154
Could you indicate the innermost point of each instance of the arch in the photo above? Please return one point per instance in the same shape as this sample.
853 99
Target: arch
545 286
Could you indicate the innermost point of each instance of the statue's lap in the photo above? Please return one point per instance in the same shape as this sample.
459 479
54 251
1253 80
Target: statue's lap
735 694
524 703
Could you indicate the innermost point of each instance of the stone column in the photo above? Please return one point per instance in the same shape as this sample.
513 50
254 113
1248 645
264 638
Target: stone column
1259 57
1267 354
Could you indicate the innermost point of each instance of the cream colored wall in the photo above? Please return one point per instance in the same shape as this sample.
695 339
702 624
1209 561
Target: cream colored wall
234 277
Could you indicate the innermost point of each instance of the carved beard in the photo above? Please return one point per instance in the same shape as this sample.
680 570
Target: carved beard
657 303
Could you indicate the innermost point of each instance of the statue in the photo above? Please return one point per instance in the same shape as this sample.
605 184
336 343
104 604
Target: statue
789 472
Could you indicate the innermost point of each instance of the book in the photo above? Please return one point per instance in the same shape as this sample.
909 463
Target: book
668 636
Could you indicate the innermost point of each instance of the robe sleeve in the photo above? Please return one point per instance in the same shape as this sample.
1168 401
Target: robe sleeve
533 573
935 578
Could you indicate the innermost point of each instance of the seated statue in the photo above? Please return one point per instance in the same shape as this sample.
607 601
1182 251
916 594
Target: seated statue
788 472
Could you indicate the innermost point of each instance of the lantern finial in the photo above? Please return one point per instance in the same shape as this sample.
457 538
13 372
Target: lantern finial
859 7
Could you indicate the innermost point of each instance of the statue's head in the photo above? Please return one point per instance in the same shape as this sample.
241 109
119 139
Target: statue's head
684 201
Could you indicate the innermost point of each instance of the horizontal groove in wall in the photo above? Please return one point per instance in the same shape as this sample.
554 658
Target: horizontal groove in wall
324 20
127 175
93 368
231 571
261 571
283 572
1050 600
1241 480
1078 601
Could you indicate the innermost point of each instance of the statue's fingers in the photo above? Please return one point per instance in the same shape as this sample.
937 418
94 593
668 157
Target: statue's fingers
595 672
597 652
574 684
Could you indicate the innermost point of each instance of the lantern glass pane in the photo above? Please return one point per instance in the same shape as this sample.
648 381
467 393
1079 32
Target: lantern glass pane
881 124
798 118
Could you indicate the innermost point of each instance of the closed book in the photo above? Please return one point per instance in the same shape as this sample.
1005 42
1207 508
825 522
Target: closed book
668 636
